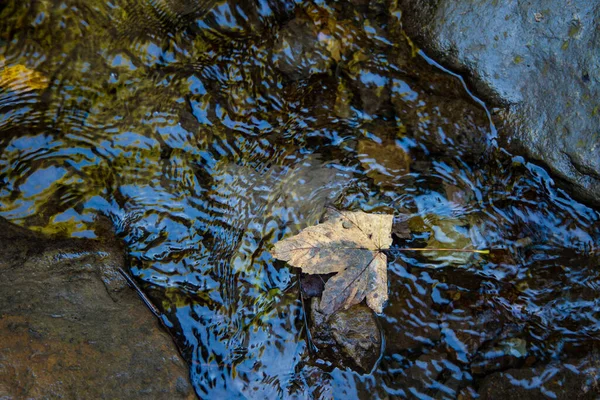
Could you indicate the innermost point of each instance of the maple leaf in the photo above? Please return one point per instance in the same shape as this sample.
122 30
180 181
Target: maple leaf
349 244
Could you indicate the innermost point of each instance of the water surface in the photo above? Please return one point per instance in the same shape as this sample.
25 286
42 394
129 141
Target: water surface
207 131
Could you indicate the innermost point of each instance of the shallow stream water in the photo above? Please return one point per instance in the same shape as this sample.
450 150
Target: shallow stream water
205 132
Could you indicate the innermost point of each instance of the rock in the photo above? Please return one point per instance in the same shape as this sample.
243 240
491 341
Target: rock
356 331
301 49
507 354
570 379
425 371
320 329
71 328
313 285
400 227
373 89
465 330
447 124
537 62
430 376
410 321
353 331
385 163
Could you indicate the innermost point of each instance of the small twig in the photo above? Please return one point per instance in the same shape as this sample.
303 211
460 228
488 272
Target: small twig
144 298
154 311
311 345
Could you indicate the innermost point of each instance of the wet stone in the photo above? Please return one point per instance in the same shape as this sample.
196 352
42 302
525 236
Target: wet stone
570 379
400 228
430 119
374 92
543 85
71 328
351 333
385 162
507 354
356 331
466 330
298 51
429 376
411 322
312 285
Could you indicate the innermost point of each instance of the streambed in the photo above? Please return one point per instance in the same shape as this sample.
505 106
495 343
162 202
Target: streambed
206 132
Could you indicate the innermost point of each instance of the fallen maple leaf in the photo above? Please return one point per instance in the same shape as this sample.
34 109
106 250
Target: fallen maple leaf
349 244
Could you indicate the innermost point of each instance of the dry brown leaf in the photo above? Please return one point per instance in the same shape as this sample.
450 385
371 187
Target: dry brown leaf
348 244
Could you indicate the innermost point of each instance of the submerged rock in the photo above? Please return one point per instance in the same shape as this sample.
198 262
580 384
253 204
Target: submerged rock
571 379
422 376
351 334
538 62
301 49
507 354
410 323
385 162
71 328
465 330
355 330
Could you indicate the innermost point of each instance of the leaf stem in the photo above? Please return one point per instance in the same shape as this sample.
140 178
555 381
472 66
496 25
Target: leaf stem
485 251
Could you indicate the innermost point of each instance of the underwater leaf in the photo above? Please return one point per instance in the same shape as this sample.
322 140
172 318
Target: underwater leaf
445 233
349 244
343 101
383 163
19 77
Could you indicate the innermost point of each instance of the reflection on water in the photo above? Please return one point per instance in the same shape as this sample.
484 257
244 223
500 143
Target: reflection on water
207 131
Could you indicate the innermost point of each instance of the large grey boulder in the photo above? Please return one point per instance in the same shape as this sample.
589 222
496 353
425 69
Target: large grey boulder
539 62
